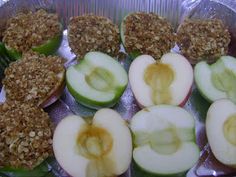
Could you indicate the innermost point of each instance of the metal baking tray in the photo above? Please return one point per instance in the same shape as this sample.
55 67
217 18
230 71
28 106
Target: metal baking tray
175 11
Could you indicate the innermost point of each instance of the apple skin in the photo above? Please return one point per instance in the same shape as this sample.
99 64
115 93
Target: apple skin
48 48
151 61
93 103
55 94
52 97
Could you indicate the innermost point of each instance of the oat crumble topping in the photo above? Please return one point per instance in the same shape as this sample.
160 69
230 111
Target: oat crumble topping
148 33
33 78
27 30
25 135
93 33
203 39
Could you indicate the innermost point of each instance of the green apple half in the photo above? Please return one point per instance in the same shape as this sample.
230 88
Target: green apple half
97 81
101 148
164 139
221 131
133 54
218 80
48 48
167 81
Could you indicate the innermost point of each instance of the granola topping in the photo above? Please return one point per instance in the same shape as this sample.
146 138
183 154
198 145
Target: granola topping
147 33
27 30
203 39
33 78
93 33
25 135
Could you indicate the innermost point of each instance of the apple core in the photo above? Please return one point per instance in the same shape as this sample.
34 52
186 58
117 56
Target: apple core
167 141
230 129
159 77
100 79
94 142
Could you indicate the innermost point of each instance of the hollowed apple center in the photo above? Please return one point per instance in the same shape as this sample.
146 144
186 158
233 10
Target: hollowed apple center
159 77
225 81
94 142
100 79
165 141
229 129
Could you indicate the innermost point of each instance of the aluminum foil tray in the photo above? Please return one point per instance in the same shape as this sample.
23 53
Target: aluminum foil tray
175 11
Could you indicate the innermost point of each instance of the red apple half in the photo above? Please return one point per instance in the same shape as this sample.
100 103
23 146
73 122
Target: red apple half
167 81
51 97
100 148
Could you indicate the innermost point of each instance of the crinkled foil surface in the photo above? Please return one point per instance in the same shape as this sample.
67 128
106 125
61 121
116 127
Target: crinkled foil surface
175 11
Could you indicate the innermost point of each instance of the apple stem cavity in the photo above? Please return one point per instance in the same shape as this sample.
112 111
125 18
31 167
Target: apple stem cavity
94 142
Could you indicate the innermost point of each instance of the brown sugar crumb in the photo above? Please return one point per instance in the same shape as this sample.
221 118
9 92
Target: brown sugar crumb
147 33
27 30
93 33
25 135
33 78
203 39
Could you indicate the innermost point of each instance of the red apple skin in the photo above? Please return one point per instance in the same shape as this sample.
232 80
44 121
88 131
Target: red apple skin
186 98
54 94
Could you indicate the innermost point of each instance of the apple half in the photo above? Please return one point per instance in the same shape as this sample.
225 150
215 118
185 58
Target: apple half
167 81
218 80
48 48
97 81
164 140
52 96
221 131
97 149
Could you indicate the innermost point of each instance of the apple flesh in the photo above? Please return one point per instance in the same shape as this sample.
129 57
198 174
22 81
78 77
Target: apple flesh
101 148
164 140
97 81
218 80
167 81
221 131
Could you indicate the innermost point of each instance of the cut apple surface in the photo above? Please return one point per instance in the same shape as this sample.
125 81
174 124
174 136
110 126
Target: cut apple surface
164 139
167 81
218 80
221 131
101 148
97 81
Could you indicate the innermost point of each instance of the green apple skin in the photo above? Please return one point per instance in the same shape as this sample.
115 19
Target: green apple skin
133 54
139 172
92 102
50 47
